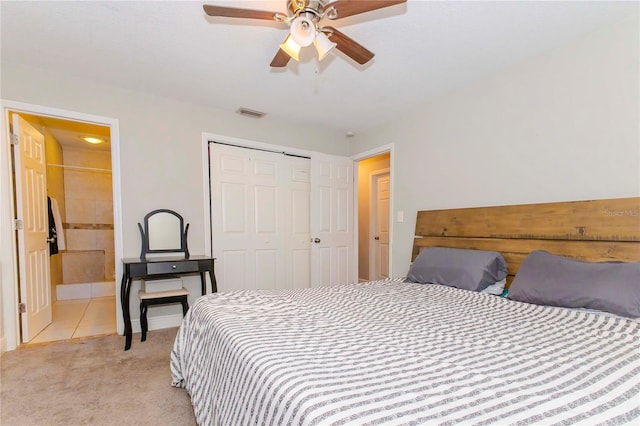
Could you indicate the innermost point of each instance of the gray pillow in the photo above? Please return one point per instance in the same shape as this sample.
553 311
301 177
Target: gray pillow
466 269
549 279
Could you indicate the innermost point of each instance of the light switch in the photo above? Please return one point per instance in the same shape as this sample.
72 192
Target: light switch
400 216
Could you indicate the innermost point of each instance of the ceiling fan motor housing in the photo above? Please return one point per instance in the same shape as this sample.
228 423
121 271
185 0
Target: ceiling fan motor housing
315 7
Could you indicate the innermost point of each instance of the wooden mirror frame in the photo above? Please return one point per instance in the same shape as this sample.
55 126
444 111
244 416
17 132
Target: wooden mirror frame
144 233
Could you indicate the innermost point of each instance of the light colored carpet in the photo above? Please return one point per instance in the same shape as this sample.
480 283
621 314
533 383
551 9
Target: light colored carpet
93 382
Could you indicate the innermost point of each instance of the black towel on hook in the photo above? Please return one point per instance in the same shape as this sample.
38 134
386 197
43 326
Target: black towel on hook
53 236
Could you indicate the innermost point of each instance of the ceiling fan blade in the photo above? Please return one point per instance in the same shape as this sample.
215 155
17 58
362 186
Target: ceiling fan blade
281 59
349 47
344 8
234 12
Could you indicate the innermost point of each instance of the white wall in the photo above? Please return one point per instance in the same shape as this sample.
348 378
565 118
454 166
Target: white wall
160 149
3 339
160 142
563 126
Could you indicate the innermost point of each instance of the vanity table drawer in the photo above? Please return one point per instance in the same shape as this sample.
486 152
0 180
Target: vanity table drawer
171 267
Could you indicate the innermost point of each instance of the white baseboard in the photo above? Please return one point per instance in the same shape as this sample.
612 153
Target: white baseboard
73 291
85 290
103 289
157 323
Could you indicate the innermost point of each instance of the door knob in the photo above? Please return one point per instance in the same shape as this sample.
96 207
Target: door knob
316 240
376 238
51 240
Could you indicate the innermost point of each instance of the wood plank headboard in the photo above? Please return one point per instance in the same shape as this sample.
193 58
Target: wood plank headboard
597 230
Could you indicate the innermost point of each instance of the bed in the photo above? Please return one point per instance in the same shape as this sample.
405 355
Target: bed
395 352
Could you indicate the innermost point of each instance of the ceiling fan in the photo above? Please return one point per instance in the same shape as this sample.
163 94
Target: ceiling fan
304 18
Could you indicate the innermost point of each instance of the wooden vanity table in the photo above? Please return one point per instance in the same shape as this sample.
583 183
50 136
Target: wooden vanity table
164 253
136 268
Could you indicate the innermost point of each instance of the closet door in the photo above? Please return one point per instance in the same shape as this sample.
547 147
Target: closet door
332 220
260 219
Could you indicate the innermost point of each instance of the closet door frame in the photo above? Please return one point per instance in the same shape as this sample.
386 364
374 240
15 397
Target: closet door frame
211 137
260 218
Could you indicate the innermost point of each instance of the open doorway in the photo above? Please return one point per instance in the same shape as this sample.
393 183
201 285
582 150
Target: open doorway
374 199
76 293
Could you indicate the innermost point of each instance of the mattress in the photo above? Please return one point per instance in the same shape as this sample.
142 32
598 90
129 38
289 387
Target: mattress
395 353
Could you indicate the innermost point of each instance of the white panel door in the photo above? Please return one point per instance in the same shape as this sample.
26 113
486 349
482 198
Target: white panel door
380 210
332 249
260 219
33 248
296 223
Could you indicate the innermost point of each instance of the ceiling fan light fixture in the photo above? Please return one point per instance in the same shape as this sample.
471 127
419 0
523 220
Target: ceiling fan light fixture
323 45
303 31
291 48
92 140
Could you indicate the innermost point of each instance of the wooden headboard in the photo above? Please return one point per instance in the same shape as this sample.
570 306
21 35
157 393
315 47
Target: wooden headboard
597 230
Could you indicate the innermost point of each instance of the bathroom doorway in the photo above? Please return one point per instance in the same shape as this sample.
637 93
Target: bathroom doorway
81 262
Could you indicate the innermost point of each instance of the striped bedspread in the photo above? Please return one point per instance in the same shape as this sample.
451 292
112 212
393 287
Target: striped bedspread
394 353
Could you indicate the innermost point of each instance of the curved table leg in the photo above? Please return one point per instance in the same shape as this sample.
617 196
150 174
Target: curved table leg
214 284
203 284
125 291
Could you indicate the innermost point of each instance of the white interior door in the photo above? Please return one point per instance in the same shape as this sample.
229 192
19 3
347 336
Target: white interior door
260 219
33 248
380 222
332 253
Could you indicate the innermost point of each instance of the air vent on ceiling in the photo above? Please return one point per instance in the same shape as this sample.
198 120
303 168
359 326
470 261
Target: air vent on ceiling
251 112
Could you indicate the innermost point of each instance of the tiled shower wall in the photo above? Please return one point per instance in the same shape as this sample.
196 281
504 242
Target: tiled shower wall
89 217
55 190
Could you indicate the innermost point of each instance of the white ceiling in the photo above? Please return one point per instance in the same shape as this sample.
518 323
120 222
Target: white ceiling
171 48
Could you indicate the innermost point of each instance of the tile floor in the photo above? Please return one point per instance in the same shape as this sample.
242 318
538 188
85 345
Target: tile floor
80 318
